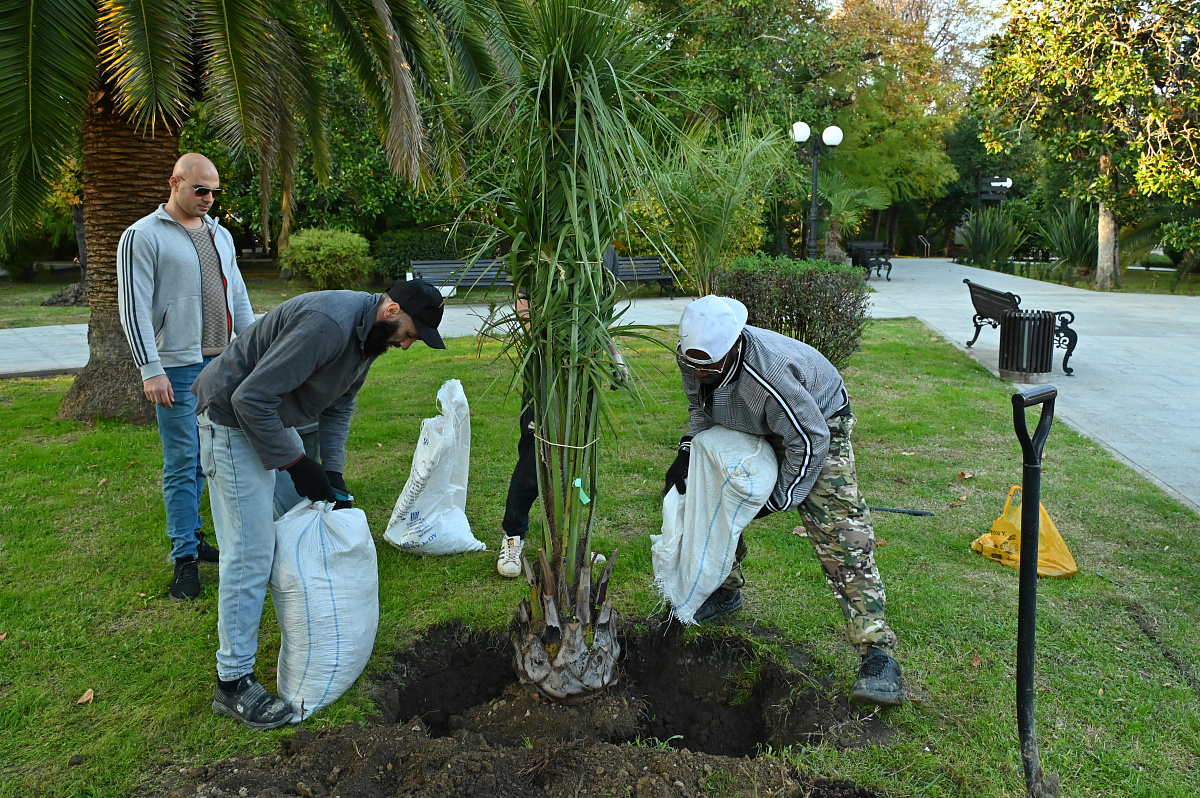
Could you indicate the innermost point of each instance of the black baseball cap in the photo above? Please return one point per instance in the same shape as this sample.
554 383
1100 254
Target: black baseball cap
423 303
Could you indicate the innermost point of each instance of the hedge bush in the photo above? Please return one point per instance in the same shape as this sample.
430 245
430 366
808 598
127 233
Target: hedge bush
818 302
328 258
396 249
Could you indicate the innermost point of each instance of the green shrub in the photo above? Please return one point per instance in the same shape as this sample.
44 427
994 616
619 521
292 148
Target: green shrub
396 249
992 237
1070 234
815 301
328 258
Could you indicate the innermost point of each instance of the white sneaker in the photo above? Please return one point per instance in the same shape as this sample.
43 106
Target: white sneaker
509 563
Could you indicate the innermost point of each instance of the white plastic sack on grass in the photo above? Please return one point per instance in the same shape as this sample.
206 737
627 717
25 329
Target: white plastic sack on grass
730 477
430 515
325 586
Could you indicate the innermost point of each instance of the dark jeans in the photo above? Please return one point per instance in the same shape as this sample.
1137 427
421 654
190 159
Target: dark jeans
523 487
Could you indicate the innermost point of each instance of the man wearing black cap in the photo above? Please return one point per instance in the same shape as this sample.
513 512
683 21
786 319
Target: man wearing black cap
305 360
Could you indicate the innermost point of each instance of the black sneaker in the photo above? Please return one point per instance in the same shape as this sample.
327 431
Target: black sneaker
186 584
252 705
207 552
722 602
879 681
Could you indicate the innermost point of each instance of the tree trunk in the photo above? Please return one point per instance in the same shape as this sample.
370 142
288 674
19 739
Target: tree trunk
1106 260
125 177
893 227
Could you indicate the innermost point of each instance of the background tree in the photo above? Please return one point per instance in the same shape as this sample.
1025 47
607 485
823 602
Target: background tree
126 75
1109 87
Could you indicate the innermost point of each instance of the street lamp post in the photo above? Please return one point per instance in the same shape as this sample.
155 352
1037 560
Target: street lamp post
830 137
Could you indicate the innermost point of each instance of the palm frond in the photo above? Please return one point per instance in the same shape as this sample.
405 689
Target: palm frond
239 84
47 66
1137 240
300 59
144 52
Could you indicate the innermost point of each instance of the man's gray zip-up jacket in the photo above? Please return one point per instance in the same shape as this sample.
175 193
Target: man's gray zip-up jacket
304 360
783 390
159 299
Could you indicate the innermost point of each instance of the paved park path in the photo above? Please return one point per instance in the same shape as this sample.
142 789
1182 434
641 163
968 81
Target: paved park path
1135 391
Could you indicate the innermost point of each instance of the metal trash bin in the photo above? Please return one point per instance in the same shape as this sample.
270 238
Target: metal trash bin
1026 345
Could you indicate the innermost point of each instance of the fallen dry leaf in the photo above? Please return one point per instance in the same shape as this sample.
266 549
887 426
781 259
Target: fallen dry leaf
131 462
97 465
799 531
880 542
24 644
380 445
964 475
1101 691
962 498
101 482
2 636
908 454
141 595
87 697
975 663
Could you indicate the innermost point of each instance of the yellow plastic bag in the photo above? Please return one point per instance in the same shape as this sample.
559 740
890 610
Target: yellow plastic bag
1003 543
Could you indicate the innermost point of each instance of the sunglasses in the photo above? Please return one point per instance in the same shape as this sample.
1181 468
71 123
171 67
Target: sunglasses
204 191
704 368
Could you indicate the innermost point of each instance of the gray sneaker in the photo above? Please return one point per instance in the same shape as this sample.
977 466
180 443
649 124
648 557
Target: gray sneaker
879 681
253 705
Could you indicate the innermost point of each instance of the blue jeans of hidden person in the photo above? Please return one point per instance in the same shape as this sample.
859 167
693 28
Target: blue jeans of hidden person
246 499
183 479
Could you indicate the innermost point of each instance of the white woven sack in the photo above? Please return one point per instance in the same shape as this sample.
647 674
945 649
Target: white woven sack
325 586
730 477
430 515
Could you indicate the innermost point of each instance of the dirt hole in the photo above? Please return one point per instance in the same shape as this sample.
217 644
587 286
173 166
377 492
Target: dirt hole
707 695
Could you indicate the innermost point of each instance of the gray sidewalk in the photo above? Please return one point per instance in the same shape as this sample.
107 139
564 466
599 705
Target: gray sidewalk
1135 391
1136 386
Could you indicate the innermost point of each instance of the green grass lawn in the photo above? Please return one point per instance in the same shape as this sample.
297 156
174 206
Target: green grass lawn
83 580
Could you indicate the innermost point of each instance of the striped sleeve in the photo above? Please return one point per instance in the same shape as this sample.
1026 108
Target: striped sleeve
135 297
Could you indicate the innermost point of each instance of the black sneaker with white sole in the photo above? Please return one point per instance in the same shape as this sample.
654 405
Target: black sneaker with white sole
879 681
252 705
185 585
207 552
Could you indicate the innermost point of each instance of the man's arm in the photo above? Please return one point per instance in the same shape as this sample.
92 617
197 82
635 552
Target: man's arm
335 428
698 419
793 415
306 343
135 300
240 310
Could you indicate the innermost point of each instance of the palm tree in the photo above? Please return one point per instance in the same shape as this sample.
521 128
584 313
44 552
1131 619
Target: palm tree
848 204
117 79
716 175
569 120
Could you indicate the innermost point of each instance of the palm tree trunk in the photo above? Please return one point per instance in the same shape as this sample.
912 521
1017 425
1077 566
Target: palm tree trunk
1106 261
125 177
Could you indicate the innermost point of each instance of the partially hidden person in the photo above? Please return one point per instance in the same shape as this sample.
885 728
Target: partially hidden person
180 299
304 360
763 383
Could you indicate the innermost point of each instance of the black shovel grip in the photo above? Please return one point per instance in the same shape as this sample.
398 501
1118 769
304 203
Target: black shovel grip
1043 395
1034 396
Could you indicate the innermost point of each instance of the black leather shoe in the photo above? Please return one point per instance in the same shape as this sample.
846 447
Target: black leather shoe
252 705
879 681
207 552
186 584
722 602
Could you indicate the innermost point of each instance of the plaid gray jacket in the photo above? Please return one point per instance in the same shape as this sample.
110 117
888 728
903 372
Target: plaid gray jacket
783 390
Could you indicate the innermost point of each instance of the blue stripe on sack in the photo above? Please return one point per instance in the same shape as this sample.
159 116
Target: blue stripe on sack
131 326
711 522
337 634
807 442
307 613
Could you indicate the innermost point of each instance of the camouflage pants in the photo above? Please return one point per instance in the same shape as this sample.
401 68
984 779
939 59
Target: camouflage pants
839 527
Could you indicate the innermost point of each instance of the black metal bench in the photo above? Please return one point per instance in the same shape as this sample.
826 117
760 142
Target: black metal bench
456 273
642 270
869 255
990 305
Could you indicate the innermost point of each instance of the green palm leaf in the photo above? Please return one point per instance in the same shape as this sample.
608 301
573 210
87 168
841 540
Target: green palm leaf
239 83
144 52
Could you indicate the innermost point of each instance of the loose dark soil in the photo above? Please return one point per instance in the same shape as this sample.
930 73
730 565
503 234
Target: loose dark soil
688 719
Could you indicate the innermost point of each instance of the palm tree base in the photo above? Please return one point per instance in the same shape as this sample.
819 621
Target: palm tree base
110 385
567 670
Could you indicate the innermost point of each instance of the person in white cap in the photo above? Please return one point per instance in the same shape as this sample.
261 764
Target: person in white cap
762 383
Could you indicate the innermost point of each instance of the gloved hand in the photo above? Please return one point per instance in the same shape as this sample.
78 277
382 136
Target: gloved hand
310 480
763 513
344 501
677 473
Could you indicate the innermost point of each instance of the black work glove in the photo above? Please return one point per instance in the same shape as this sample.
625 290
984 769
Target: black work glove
310 480
764 512
344 501
677 473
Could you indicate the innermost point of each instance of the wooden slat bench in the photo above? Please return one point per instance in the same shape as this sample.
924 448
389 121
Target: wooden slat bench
456 273
869 255
643 270
990 305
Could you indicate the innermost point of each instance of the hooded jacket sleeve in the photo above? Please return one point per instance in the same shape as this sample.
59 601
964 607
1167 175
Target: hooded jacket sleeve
135 300
698 419
239 299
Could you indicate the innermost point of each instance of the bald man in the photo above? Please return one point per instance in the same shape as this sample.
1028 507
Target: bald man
181 299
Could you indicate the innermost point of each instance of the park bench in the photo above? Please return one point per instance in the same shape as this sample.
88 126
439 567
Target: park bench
869 255
643 270
990 305
456 273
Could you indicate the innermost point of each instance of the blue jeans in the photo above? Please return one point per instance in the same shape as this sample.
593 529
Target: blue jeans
246 499
183 479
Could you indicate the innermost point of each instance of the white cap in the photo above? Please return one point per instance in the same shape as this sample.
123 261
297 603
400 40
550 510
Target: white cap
711 325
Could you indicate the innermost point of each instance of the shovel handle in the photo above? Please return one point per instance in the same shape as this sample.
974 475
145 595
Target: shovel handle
1031 448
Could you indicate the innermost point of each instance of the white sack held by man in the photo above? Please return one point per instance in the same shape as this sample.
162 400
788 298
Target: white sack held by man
732 475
